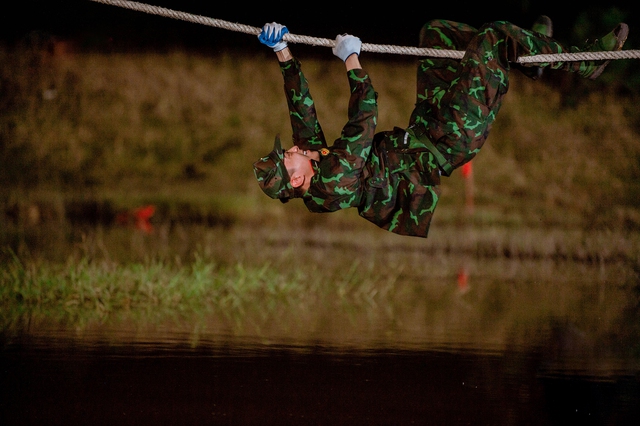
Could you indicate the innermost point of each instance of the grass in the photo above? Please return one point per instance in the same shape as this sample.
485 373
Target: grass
107 288
553 184
376 295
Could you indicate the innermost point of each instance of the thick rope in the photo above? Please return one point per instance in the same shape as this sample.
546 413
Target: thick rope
367 47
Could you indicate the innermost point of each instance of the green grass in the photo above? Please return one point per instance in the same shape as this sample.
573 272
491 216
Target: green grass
347 293
106 288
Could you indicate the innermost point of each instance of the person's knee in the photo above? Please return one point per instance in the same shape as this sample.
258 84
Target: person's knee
445 34
434 33
491 31
496 26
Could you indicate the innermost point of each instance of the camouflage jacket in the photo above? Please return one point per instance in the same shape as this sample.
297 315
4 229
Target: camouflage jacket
390 177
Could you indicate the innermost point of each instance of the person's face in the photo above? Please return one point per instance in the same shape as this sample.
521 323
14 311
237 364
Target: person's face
298 165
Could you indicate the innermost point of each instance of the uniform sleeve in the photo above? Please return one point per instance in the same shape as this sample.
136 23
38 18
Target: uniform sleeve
307 132
338 180
357 135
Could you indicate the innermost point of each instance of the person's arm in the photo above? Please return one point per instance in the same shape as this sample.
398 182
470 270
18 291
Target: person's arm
284 55
352 62
341 183
357 134
307 132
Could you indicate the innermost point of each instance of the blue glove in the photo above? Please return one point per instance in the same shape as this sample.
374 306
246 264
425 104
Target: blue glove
272 34
346 45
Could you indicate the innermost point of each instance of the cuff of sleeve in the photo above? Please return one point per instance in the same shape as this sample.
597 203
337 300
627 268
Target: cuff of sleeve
357 75
290 67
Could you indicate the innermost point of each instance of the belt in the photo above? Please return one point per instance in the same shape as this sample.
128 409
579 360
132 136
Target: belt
422 137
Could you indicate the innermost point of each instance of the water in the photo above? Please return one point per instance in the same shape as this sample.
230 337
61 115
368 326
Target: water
478 341
57 380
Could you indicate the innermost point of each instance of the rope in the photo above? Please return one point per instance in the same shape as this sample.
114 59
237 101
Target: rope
367 47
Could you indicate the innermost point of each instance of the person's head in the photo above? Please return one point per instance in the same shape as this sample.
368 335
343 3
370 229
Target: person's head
282 174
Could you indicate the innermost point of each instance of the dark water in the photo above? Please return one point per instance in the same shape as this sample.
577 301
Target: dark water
509 342
58 382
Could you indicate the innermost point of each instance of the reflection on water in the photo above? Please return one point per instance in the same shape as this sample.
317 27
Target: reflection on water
440 339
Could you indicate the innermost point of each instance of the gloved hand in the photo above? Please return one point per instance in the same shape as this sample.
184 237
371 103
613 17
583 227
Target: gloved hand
271 35
346 45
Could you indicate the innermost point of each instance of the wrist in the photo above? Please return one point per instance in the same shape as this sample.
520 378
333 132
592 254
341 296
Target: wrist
352 62
284 55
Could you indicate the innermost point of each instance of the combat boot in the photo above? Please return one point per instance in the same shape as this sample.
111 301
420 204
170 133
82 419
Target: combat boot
609 43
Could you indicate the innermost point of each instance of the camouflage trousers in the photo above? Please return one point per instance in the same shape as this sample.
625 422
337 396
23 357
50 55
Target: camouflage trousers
457 100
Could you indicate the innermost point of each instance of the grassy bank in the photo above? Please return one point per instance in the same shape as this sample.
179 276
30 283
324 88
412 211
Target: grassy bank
181 131
345 293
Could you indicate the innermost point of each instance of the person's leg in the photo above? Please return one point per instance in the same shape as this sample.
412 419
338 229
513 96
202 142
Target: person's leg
434 75
460 115
526 42
461 122
544 26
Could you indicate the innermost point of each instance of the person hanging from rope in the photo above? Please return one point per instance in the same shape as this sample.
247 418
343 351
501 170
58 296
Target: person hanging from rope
393 177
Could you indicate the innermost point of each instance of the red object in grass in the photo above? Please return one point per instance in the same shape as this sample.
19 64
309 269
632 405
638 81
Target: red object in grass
144 213
140 218
463 279
467 169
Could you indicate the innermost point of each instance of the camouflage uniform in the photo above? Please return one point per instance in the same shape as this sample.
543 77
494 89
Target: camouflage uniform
392 177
